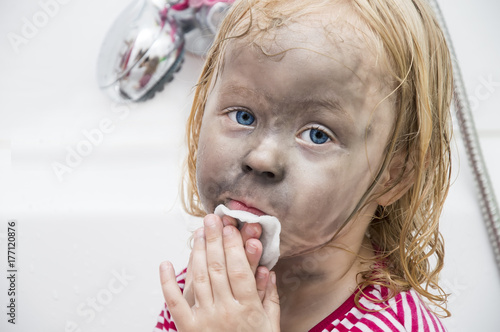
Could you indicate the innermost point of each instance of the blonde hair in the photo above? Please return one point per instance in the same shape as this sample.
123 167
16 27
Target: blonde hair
406 232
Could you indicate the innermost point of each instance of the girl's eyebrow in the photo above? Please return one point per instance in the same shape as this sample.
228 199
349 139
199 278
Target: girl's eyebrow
243 90
330 103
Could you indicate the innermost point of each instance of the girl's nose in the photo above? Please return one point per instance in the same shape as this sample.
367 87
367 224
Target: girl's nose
265 161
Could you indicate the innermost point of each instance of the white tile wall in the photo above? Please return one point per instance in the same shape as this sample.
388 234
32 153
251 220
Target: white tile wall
118 212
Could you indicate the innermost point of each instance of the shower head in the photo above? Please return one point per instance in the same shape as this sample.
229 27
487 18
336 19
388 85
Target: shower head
145 45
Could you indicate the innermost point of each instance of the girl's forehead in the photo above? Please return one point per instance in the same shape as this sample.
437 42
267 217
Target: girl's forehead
344 41
326 20
334 31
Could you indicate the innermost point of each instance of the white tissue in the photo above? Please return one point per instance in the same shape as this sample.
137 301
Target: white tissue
270 237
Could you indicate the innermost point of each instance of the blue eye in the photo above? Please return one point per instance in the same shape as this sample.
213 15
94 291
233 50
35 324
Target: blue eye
315 135
242 117
318 137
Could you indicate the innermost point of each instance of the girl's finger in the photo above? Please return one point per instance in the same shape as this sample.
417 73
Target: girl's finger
251 231
248 231
200 282
216 260
271 302
241 277
253 251
177 305
261 278
188 288
228 220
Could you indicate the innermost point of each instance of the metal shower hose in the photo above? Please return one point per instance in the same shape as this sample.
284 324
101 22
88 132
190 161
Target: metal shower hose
487 200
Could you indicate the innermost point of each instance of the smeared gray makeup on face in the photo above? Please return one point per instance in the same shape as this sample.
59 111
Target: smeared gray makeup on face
321 185
217 188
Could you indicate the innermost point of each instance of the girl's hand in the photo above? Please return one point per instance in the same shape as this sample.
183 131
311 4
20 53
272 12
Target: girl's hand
224 286
250 234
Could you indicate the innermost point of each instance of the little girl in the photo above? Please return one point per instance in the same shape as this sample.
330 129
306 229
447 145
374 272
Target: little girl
332 116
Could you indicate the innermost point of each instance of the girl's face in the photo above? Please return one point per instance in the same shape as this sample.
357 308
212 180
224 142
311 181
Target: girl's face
295 136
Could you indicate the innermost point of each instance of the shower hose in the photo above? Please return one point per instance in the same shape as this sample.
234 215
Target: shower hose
486 195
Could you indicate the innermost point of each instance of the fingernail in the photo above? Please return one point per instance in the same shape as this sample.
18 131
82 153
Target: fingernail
261 274
210 221
165 266
252 249
226 220
273 278
200 233
228 230
251 231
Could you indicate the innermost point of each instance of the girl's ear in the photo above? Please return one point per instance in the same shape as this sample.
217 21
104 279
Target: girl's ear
396 181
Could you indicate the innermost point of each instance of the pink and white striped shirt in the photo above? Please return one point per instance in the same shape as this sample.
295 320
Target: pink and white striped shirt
404 312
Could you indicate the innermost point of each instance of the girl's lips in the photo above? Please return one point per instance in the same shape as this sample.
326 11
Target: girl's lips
237 205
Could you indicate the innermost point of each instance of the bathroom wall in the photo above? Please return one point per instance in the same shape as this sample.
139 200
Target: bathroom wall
470 274
89 241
